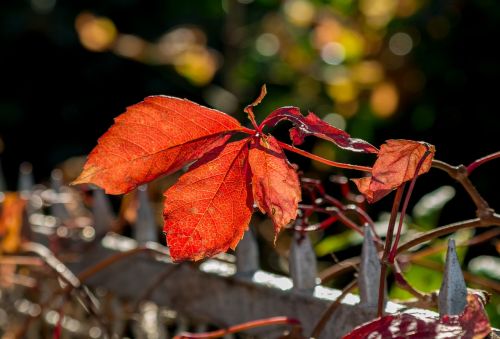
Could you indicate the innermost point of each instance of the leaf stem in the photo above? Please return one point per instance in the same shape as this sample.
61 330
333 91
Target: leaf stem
475 164
387 247
323 160
248 130
393 252
241 327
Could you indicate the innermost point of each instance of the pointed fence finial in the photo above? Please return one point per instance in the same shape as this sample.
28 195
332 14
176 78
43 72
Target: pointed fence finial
26 181
369 271
145 225
302 263
452 297
58 207
247 255
102 212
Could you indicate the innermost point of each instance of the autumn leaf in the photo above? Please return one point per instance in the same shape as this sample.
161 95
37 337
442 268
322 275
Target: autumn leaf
275 183
11 222
396 163
209 208
154 137
312 125
471 323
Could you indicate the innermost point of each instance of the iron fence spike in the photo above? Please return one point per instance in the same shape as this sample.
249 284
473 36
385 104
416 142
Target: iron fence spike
25 181
102 212
247 255
145 225
453 292
302 263
58 208
369 271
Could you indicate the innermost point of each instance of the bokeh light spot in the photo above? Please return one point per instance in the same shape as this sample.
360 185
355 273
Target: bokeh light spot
299 12
333 53
130 46
336 120
342 90
43 6
368 72
384 100
96 33
400 43
267 44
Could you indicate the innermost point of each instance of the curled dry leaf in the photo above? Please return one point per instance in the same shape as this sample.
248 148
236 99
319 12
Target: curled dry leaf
209 208
471 323
154 137
312 125
396 163
275 183
11 221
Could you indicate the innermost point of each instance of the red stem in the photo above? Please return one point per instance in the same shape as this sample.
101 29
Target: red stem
247 130
323 160
241 327
388 243
394 249
475 164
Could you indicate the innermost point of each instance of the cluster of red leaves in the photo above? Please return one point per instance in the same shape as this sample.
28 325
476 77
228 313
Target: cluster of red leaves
209 208
471 323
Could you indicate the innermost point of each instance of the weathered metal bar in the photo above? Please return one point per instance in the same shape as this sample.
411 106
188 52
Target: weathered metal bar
302 261
453 292
102 212
145 226
213 294
25 181
369 272
58 209
247 255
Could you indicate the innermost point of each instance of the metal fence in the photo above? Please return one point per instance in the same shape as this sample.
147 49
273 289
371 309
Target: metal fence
218 292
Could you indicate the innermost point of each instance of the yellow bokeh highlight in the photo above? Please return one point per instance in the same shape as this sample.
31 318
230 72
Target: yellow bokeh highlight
378 13
299 12
198 65
384 100
96 34
353 44
347 109
342 90
367 72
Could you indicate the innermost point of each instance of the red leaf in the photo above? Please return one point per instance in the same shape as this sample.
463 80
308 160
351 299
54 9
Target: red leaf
209 208
471 323
312 125
396 163
154 137
275 183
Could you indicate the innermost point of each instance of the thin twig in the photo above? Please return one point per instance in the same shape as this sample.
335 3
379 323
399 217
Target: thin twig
241 327
460 174
387 248
323 160
475 164
392 254
493 220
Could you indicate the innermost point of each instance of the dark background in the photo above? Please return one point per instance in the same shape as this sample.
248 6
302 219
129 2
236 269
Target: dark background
59 95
